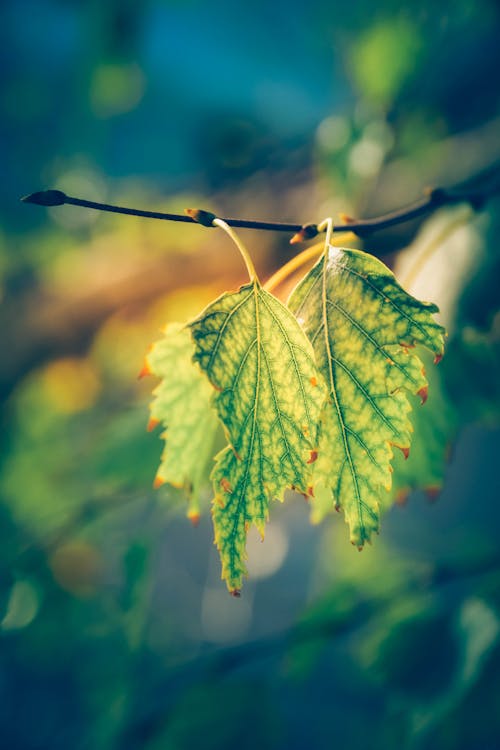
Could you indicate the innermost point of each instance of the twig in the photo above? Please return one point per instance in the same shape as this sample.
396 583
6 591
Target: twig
475 191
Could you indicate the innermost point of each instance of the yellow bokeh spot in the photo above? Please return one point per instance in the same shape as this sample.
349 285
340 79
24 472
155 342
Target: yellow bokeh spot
71 384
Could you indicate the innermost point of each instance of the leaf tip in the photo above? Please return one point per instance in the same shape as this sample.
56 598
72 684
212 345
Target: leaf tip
405 450
145 370
236 593
152 424
423 393
194 517
158 482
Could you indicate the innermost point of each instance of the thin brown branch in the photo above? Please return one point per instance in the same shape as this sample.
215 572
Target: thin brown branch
474 191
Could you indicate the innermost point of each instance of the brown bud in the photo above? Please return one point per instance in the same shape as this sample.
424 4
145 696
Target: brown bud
205 218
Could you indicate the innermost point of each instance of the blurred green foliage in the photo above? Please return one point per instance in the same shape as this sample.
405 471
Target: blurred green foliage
115 630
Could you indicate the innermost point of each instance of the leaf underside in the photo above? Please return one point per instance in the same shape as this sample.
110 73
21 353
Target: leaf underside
363 327
269 397
182 405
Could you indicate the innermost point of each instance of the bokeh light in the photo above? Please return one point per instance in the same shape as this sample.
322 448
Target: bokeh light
116 631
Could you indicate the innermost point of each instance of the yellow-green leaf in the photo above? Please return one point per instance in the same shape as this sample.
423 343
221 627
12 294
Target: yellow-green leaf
363 327
269 397
435 428
182 405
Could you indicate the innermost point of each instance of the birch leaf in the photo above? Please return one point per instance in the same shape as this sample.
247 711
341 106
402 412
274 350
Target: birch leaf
269 397
435 431
364 328
182 405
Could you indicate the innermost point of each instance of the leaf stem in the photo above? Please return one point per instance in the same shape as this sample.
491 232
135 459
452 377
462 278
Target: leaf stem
326 226
301 259
241 247
293 265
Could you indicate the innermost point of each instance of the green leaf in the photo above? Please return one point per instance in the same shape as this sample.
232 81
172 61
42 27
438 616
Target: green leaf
182 405
435 428
363 327
269 398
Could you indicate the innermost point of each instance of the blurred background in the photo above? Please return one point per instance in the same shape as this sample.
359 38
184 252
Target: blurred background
115 629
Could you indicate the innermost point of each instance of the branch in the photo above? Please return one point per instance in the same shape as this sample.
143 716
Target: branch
475 191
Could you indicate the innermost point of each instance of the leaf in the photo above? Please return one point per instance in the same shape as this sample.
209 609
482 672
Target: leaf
269 399
435 429
363 325
182 405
